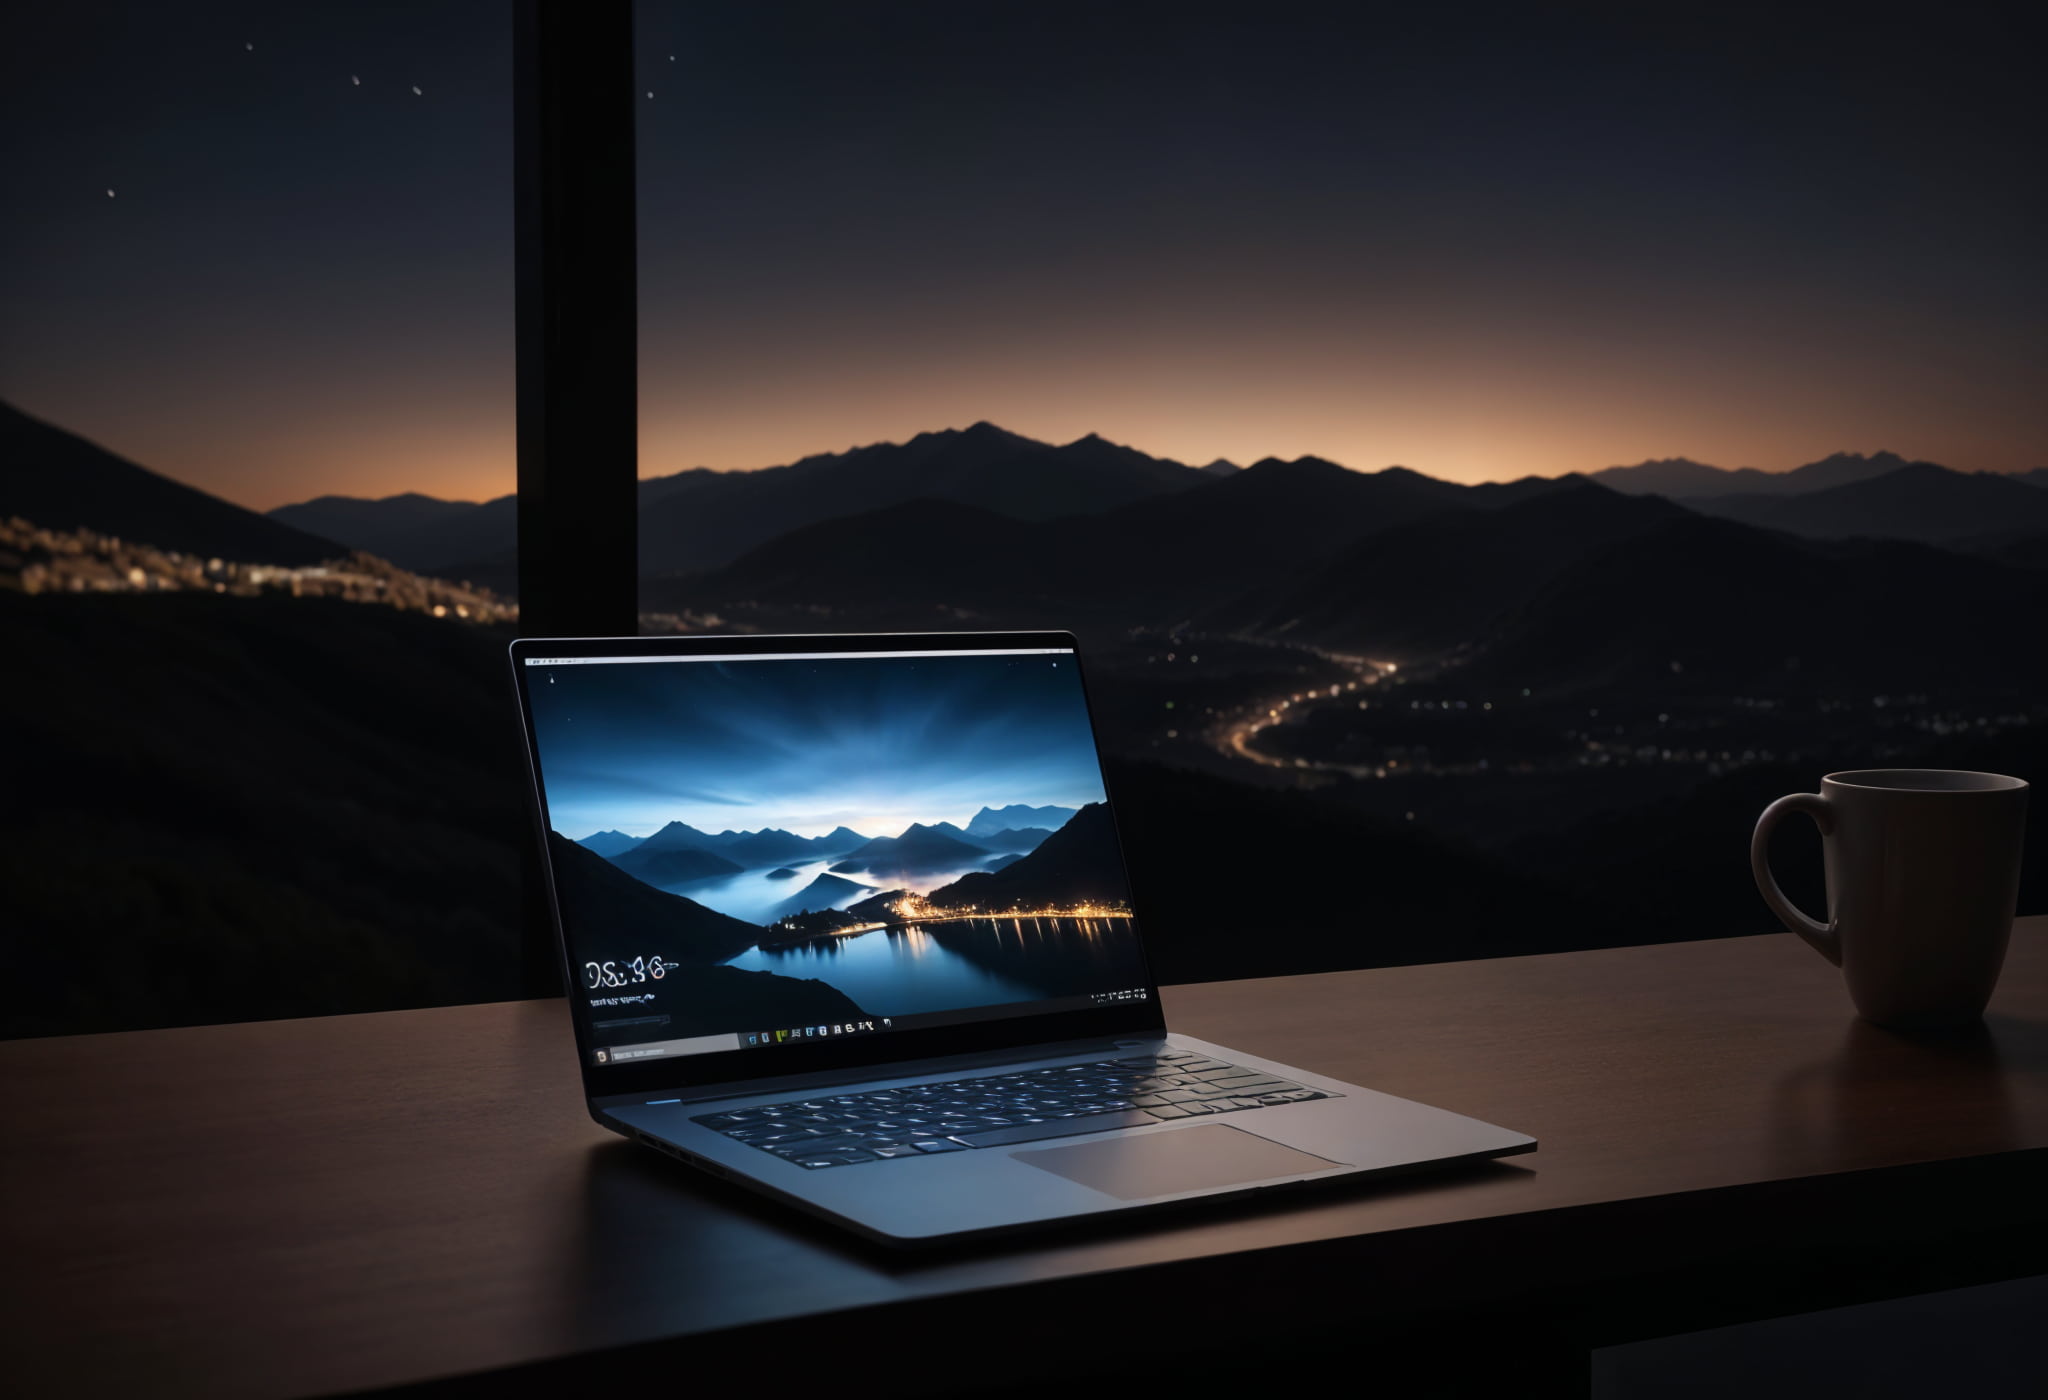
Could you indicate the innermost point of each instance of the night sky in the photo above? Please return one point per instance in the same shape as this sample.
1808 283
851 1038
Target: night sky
807 746
1477 242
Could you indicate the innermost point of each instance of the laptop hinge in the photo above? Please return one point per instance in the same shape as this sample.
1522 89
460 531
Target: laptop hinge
894 1069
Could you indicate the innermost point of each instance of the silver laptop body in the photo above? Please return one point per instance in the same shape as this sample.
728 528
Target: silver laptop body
844 919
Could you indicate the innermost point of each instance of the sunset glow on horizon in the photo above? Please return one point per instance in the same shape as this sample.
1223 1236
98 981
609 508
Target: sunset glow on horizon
1530 247
475 462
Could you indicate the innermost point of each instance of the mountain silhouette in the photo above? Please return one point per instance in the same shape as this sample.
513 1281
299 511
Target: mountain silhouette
785 873
680 836
448 539
1015 839
752 849
824 892
1002 862
673 865
919 849
62 482
608 843
1220 538
1681 479
991 820
1168 554
839 838
610 914
703 519
384 527
1079 863
1706 606
766 847
1914 501
1088 518
1440 581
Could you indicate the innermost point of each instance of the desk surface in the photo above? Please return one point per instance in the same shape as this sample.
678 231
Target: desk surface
306 1206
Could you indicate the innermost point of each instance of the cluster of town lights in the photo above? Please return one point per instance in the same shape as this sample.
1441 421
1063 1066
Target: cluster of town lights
915 909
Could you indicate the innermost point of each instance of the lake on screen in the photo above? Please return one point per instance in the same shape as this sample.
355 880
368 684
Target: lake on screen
947 964
752 896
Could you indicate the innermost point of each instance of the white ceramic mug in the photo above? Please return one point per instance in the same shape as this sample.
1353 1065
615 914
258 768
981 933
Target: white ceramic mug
1923 871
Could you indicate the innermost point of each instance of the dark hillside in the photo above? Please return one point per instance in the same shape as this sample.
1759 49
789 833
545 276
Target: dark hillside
62 482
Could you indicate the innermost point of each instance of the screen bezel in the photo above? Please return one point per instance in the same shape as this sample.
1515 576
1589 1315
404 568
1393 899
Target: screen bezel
763 1062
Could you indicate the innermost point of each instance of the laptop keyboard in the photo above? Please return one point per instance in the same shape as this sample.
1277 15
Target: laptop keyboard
996 1110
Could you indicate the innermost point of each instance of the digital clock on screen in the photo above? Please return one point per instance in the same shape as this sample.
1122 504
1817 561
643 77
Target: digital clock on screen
624 972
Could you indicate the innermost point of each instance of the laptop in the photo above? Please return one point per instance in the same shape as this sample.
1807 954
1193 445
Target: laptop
845 920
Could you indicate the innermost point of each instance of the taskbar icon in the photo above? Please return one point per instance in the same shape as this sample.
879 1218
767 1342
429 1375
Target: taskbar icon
840 1028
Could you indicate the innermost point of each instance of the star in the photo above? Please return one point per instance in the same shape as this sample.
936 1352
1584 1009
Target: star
354 81
110 194
650 97
416 90
248 48
671 58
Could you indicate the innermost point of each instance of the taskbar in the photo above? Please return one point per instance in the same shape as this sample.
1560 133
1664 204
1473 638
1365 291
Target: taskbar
874 1025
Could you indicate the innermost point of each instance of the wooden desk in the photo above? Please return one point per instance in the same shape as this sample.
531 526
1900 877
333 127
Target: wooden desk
301 1207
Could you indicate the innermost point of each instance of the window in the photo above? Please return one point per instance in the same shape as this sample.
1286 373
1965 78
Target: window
1116 319
257 372
1120 318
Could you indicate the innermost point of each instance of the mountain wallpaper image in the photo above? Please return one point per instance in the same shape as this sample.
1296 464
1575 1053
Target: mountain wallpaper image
1350 717
794 914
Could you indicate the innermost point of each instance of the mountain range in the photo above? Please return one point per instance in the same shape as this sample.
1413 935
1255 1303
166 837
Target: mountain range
679 853
681 847
917 520
701 521
992 821
1680 479
702 518
1389 563
1915 501
1078 863
421 533
919 850
1157 559
1101 493
608 843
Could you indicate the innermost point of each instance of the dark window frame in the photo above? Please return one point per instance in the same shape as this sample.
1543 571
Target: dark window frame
576 336
577 325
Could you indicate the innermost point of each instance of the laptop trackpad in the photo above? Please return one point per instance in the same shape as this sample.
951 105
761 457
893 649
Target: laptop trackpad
1137 1165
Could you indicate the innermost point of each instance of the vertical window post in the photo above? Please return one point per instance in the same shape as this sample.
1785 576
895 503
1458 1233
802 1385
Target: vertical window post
576 340
578 397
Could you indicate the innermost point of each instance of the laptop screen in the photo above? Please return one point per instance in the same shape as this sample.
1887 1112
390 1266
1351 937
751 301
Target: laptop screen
755 849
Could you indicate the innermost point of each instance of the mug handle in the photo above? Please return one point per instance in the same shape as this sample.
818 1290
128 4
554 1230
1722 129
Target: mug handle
1825 938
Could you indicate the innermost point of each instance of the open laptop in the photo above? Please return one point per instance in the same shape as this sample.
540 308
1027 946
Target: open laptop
845 919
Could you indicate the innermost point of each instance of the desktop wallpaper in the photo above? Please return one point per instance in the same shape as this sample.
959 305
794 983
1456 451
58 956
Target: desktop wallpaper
759 844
